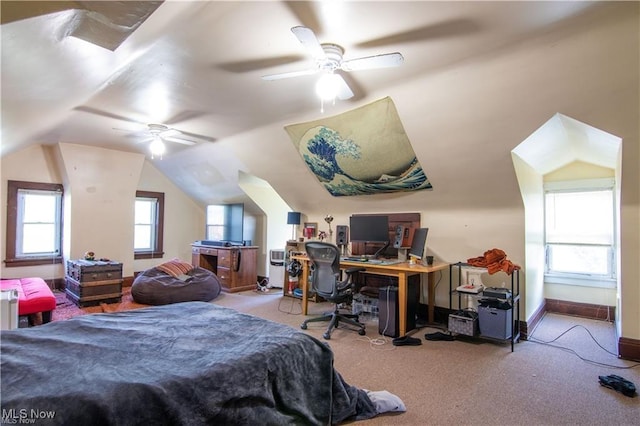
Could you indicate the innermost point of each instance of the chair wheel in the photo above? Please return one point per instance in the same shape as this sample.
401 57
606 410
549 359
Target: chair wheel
303 326
362 332
327 336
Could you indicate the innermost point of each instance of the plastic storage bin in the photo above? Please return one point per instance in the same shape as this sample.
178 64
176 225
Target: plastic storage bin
495 322
364 305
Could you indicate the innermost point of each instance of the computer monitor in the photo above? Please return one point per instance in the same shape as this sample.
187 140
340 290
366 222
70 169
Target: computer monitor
370 229
419 243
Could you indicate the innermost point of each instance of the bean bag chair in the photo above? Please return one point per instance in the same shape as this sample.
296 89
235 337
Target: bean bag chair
175 282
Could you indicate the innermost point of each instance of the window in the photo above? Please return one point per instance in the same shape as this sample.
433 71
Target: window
225 222
34 223
579 232
149 225
215 222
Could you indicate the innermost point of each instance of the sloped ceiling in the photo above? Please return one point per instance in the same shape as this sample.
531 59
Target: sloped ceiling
563 140
196 66
103 23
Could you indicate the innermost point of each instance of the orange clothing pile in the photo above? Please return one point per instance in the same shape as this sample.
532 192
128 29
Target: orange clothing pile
495 260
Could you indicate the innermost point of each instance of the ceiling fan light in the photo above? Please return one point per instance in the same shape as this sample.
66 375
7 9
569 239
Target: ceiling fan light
157 148
327 86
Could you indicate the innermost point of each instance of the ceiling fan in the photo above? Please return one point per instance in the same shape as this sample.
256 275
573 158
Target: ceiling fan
155 133
158 134
163 132
329 60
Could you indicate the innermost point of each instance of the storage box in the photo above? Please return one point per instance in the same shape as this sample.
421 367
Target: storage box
495 322
93 270
465 323
362 304
93 293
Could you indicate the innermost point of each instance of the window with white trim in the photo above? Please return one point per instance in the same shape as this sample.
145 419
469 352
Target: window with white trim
216 222
149 225
580 232
34 223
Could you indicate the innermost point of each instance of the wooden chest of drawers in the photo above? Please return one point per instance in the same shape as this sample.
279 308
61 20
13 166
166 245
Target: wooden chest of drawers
89 283
235 267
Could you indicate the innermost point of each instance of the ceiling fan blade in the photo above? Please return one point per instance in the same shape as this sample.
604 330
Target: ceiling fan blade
384 60
356 88
290 74
450 28
309 40
176 140
146 140
170 133
133 134
198 136
344 91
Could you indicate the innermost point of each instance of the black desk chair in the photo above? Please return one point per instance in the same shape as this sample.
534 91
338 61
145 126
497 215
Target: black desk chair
325 278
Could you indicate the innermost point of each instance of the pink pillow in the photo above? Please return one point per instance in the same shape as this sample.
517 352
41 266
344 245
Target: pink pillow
175 267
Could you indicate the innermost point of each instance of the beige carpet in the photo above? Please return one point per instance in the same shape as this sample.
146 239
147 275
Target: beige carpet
476 383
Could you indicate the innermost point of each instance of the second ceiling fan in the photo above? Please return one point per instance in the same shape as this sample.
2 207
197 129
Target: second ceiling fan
328 59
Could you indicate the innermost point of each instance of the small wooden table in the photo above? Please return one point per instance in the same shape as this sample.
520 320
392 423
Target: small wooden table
399 270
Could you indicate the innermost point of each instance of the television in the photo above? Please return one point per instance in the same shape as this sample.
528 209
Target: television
225 223
370 229
234 221
419 243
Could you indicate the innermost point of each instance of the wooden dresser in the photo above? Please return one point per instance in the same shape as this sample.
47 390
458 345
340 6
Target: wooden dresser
235 266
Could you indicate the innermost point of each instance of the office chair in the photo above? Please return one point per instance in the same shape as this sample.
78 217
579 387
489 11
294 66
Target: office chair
325 279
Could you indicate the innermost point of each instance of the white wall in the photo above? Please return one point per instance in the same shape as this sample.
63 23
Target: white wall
33 164
100 187
184 219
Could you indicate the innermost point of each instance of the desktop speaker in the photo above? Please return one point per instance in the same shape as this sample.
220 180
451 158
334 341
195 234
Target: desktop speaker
404 236
342 235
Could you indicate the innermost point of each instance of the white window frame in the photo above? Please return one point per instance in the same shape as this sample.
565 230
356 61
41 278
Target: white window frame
213 225
156 225
55 221
608 280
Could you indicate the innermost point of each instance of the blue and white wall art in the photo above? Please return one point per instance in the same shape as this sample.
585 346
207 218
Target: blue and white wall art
362 151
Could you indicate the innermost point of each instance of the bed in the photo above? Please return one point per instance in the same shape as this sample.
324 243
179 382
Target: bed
189 363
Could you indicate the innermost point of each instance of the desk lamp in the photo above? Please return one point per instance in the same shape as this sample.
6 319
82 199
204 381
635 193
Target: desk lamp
328 218
293 218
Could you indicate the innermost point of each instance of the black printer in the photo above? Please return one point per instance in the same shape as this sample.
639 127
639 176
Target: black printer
496 293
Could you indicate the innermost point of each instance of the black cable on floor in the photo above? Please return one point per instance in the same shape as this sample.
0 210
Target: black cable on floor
564 348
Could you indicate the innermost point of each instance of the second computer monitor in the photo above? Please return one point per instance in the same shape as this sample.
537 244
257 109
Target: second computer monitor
419 243
369 228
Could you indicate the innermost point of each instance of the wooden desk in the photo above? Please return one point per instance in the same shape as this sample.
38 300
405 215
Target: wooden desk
235 266
399 270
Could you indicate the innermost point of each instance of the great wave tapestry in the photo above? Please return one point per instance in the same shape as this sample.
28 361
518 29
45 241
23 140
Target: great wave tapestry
362 151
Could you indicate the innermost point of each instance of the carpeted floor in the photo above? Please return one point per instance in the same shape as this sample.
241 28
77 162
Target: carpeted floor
552 379
467 382
66 309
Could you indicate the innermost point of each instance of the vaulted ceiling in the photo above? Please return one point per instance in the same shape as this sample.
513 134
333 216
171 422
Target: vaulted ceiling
98 73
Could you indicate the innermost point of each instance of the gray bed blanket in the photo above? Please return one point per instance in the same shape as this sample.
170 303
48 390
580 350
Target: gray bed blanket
189 363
